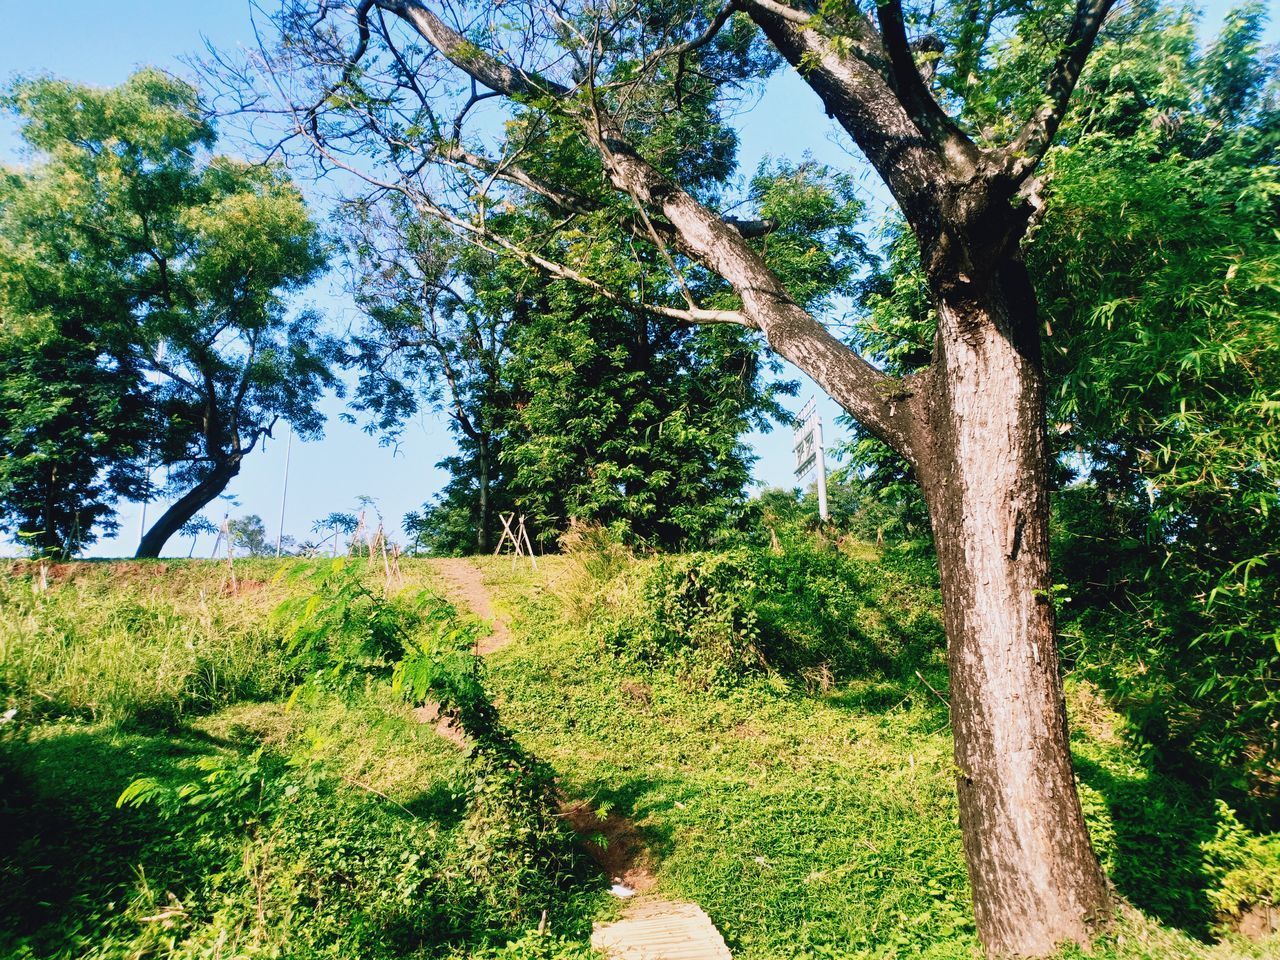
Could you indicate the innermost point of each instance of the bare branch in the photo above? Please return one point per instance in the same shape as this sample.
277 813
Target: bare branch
850 79
467 57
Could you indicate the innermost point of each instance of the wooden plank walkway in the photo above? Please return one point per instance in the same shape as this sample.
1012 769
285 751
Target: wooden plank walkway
662 931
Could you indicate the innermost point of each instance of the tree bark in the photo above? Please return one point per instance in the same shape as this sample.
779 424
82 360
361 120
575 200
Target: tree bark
186 507
1036 882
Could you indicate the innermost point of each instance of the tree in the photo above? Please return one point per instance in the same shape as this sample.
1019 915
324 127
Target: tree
72 424
629 423
563 403
195 528
612 126
1166 375
337 524
190 258
1156 265
437 316
249 535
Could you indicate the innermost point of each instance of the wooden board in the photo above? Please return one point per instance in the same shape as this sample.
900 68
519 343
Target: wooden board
662 931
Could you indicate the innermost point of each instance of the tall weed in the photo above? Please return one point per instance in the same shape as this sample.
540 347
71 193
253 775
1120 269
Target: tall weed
107 647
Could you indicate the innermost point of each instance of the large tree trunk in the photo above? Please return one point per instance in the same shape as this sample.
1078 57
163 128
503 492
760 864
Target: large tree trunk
186 507
1036 882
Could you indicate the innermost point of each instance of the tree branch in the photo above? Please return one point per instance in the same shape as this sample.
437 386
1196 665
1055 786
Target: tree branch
913 91
467 57
874 398
1029 146
857 94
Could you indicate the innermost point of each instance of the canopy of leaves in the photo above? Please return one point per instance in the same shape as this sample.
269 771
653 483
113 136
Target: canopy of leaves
1159 276
160 273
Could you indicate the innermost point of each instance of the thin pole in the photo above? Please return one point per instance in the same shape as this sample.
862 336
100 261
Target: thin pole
142 518
284 490
822 472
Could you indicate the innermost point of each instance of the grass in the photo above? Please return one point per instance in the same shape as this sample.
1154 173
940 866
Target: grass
325 824
809 820
825 824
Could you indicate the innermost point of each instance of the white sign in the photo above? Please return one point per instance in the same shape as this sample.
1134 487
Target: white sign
805 445
809 451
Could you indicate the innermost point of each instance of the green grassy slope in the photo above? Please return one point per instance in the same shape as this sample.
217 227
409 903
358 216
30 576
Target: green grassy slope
811 816
824 824
325 825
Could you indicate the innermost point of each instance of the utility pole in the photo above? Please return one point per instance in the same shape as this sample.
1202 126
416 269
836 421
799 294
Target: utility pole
284 490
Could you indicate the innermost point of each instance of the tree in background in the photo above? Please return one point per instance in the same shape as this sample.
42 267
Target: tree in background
195 528
437 321
249 535
165 269
561 403
632 423
73 423
337 524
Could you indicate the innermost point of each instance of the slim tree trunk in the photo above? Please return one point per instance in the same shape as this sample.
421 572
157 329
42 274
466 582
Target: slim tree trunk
1036 882
186 507
482 524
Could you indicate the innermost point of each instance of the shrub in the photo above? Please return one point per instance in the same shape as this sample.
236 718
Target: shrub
519 855
1244 868
806 609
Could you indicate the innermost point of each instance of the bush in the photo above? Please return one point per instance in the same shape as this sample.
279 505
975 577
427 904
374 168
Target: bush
1244 868
808 611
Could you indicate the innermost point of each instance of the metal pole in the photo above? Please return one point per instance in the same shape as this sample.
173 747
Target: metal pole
822 472
142 517
284 490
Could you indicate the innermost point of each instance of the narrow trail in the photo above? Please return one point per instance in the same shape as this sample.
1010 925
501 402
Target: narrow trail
464 586
650 927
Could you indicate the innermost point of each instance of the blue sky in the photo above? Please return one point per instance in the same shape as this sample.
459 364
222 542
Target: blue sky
97 42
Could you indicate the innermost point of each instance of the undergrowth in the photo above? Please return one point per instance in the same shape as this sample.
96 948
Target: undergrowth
809 611
802 793
307 815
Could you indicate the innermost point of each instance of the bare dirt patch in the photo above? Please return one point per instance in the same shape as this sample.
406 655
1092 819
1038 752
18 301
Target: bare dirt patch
464 586
430 712
623 856
1258 922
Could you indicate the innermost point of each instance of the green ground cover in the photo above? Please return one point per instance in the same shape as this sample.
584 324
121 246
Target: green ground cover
293 806
820 821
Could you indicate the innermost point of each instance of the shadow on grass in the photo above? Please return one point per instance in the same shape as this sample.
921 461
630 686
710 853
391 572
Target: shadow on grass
67 852
71 862
1157 861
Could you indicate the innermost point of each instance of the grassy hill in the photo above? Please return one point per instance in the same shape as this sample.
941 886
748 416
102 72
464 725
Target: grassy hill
772 728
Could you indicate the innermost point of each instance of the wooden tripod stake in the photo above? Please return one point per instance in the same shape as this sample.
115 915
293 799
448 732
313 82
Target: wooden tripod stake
224 536
518 538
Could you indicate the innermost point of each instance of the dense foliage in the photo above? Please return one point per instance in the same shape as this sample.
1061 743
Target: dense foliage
804 610
143 289
1159 268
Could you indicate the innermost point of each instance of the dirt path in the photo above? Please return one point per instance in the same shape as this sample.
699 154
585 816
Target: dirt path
464 586
650 928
